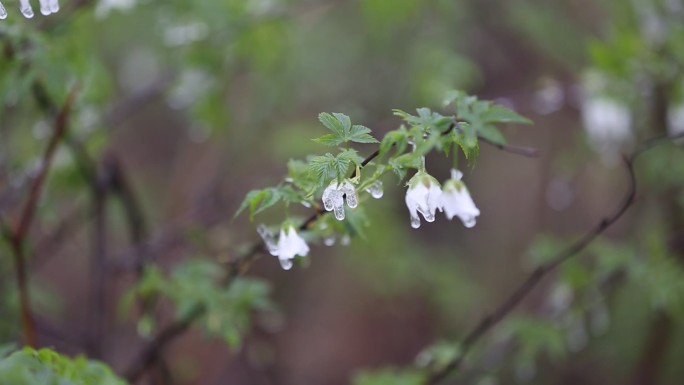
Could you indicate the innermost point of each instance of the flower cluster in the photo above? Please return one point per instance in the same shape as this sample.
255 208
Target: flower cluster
334 196
47 7
425 196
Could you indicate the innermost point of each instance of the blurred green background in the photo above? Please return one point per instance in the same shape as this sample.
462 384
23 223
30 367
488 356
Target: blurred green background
200 102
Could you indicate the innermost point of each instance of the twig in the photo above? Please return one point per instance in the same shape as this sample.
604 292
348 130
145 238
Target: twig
488 322
17 236
152 351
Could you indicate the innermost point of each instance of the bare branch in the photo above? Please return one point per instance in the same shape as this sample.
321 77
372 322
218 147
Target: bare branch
17 235
488 322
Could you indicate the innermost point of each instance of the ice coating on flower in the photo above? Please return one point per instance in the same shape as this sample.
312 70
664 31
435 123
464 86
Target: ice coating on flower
375 189
290 244
45 7
25 8
456 200
423 196
334 196
48 7
268 238
329 241
3 12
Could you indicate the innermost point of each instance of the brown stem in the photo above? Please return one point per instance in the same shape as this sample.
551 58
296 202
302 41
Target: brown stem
17 236
488 322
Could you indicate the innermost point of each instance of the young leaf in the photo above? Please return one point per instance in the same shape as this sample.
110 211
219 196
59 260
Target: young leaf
343 131
500 114
361 134
258 201
332 123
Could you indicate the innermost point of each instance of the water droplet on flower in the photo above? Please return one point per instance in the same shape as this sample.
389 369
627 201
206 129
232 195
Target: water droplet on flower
329 241
375 190
339 212
3 12
429 216
469 222
415 222
346 240
286 264
268 239
352 202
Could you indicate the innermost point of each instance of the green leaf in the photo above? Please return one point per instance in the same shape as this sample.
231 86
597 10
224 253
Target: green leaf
390 376
332 123
536 336
258 201
500 114
361 134
47 367
329 140
344 121
328 167
343 131
492 133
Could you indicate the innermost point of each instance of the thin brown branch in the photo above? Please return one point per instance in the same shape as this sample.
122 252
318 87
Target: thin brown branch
18 234
488 322
151 352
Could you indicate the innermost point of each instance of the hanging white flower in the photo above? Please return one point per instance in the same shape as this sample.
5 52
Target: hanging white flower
47 7
335 194
290 244
423 196
456 201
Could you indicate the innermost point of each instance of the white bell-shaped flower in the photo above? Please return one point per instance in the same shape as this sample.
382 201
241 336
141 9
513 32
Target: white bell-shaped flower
289 244
423 196
335 194
456 201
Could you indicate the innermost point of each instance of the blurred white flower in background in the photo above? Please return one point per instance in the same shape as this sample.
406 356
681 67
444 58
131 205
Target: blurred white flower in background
47 7
608 125
675 120
423 196
607 122
104 7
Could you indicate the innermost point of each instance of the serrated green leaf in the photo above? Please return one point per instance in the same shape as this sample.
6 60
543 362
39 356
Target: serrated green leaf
491 133
500 114
332 123
344 121
258 201
343 131
361 134
329 140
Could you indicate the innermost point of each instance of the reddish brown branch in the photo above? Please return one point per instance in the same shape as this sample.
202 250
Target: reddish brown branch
18 234
488 322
